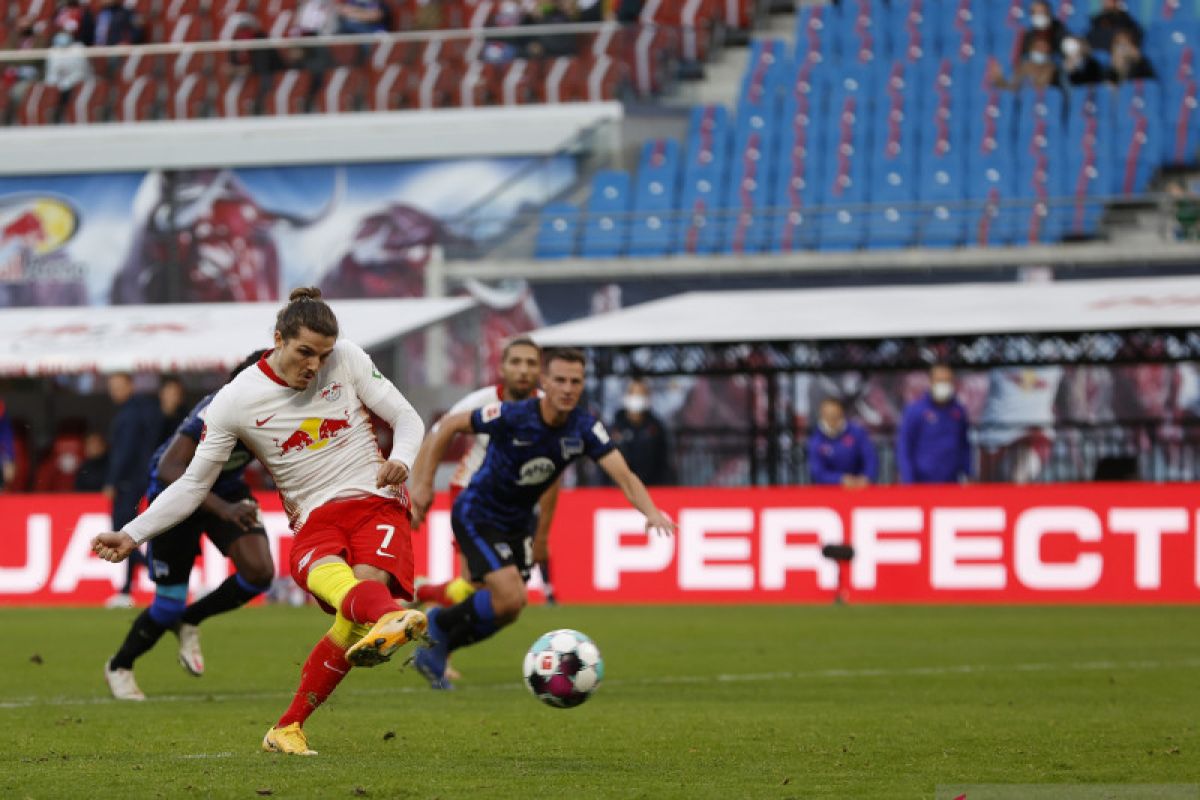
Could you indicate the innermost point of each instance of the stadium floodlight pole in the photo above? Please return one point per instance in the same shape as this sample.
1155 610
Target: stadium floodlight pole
842 555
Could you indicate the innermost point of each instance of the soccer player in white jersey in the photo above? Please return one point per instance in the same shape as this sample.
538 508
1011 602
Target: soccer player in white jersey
303 411
520 369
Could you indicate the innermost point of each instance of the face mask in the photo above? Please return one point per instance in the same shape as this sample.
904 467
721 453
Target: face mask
636 403
1070 48
1040 21
830 430
1038 57
942 391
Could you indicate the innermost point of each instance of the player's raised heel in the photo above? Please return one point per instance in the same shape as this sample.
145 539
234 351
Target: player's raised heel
190 656
393 630
289 740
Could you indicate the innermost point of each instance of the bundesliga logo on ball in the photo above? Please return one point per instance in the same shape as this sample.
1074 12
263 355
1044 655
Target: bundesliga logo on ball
563 668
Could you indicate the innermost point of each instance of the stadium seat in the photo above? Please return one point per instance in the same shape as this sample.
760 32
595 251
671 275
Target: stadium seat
289 92
557 231
56 472
389 88
135 100
188 97
564 81
655 199
604 232
237 96
434 86
39 105
513 83
89 102
341 91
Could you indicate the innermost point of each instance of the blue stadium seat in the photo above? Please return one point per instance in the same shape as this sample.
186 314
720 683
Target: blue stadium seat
1181 115
557 229
655 199
605 232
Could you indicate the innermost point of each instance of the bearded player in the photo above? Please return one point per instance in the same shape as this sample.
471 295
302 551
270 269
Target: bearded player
520 367
303 412
531 443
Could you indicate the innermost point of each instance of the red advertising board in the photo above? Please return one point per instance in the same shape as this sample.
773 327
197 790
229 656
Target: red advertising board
1120 543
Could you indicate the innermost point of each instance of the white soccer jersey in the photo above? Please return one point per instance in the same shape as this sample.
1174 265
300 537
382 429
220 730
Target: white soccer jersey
318 444
472 460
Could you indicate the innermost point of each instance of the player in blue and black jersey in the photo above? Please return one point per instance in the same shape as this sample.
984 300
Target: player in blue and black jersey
231 520
531 443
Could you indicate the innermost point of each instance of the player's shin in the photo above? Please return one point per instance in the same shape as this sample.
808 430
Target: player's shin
471 621
150 625
322 672
233 593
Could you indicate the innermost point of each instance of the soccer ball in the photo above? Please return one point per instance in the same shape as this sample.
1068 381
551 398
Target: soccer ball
563 668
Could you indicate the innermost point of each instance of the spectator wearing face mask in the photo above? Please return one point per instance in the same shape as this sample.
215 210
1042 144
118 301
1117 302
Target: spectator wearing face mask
1079 67
840 453
1043 27
1112 19
1128 61
1036 69
66 67
932 446
642 438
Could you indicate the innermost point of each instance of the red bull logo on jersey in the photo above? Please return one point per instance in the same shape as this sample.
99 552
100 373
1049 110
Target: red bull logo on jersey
313 434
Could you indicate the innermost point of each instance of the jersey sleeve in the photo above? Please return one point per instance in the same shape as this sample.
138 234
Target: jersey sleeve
476 399
219 427
596 441
492 419
193 425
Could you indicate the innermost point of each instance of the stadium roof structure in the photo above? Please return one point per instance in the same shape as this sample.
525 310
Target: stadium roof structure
972 325
186 337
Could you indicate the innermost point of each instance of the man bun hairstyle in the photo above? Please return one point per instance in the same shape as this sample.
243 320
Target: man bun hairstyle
306 309
570 354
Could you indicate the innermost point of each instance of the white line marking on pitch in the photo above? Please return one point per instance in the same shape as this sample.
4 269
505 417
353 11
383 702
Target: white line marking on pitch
744 677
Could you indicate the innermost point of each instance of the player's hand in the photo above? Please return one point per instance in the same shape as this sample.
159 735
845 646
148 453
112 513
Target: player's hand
114 547
421 498
660 523
243 513
391 473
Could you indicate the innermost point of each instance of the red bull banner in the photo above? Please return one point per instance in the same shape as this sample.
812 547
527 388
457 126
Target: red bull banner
1121 543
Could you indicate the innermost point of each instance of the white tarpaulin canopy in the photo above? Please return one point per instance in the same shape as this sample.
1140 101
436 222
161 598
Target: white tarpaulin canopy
794 315
185 338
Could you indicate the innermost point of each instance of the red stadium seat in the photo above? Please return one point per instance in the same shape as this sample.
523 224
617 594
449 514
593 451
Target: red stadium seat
289 92
188 97
436 86
512 84
388 52
604 77
236 96
479 15
564 81
135 65
277 26
652 48
135 100
389 88
41 9
473 88
739 14
39 106
89 102
342 91
174 9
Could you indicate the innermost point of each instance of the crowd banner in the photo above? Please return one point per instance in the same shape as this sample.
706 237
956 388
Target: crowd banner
1096 543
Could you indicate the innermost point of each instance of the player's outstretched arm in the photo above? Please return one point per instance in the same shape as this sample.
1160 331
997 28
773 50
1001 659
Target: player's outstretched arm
430 455
547 504
174 463
175 504
635 491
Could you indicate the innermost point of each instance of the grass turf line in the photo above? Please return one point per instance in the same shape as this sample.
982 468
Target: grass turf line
728 702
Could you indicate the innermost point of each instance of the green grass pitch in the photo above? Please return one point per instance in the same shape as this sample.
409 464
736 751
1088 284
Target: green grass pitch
698 702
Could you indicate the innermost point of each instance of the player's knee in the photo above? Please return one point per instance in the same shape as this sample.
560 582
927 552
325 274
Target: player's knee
258 575
508 603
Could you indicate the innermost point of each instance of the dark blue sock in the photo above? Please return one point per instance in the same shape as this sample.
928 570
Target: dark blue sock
471 621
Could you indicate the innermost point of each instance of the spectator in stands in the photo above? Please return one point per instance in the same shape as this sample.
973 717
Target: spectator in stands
1128 61
840 453
94 470
555 12
932 446
642 438
1044 28
1186 210
66 67
116 25
507 14
133 437
1112 18
1079 66
170 403
590 11
18 76
361 16
1037 69
76 19
628 11
260 61
316 18
8 449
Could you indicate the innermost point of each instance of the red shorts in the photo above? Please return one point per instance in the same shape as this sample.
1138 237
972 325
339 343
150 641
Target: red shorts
364 530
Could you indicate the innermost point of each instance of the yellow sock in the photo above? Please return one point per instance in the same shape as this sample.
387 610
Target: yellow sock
332 582
342 632
358 631
459 589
